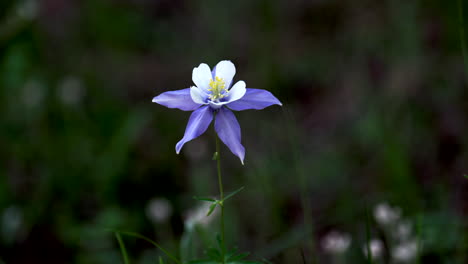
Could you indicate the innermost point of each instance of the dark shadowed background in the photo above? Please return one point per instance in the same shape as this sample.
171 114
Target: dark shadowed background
374 113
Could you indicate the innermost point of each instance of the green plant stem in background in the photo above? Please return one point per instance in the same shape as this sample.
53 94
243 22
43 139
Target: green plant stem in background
303 180
122 248
462 34
168 254
368 247
221 192
419 238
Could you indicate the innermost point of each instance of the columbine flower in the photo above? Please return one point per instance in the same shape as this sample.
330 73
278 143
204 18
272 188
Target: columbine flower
214 96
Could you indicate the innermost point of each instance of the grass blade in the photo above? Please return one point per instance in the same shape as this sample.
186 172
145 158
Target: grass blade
419 239
122 248
369 252
462 34
233 193
212 207
204 199
168 254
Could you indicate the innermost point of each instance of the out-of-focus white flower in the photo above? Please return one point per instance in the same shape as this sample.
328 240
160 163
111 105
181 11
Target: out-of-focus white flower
158 210
71 91
403 230
27 9
336 242
376 247
11 224
385 215
33 93
405 252
198 216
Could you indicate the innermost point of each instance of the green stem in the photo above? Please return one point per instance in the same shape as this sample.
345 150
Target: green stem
462 34
122 248
368 247
220 182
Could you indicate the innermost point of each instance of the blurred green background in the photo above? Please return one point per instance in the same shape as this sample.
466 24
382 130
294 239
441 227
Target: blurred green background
375 107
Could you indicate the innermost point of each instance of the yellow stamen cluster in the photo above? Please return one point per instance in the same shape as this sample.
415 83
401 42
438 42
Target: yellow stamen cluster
217 88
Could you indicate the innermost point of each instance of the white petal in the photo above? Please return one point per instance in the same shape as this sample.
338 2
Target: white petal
237 91
226 70
216 105
201 76
198 96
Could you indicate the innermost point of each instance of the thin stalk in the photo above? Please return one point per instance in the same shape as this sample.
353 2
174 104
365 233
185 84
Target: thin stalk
368 247
122 248
221 192
304 184
168 254
462 34
419 239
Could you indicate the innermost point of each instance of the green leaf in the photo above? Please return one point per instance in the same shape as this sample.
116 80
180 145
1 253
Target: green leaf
466 176
215 156
231 253
213 254
212 207
369 252
122 248
245 262
205 199
237 257
161 260
233 193
218 239
203 261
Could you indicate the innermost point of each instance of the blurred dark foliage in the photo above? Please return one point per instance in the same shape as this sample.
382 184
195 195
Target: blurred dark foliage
375 110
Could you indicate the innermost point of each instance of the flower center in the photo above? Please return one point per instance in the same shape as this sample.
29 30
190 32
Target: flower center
217 89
